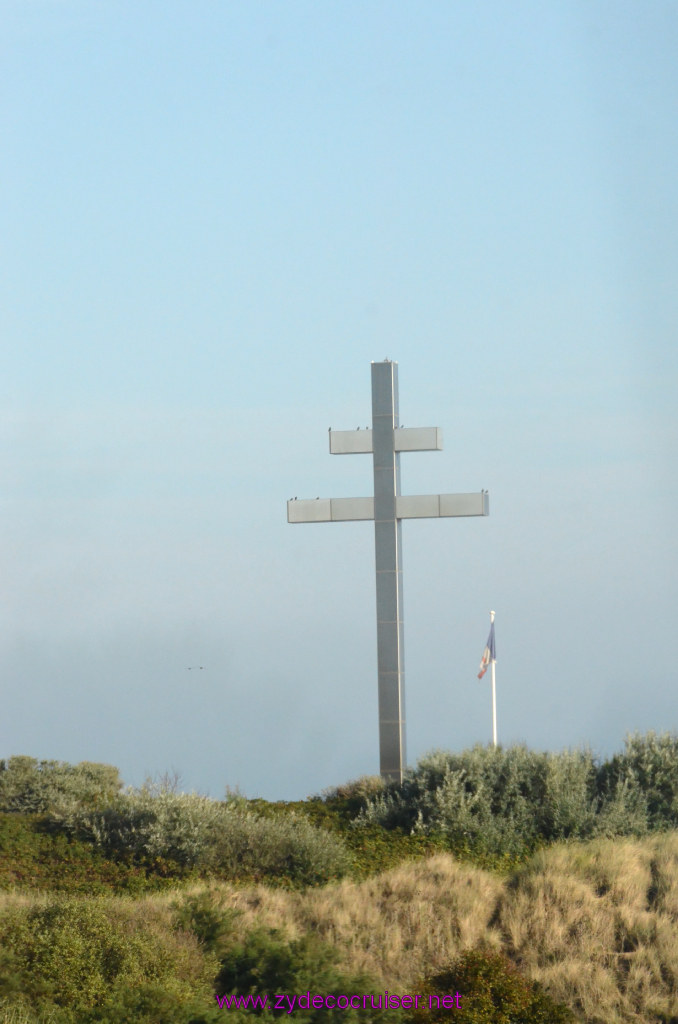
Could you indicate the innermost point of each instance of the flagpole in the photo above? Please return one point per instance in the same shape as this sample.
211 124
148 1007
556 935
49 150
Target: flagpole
494 695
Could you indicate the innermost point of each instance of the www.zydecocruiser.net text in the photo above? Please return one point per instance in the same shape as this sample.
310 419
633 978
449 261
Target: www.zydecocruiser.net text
342 1002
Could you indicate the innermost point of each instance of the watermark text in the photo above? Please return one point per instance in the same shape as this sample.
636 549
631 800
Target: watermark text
386 1001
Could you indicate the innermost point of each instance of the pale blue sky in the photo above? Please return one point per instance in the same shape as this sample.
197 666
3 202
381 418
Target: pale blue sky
213 217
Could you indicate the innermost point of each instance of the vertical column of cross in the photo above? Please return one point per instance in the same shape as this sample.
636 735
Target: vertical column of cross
388 557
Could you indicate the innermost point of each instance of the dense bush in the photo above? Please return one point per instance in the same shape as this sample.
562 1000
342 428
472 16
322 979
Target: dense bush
491 991
151 822
202 916
33 858
645 776
264 963
490 800
38 787
491 805
509 800
261 962
286 848
78 958
195 831
347 800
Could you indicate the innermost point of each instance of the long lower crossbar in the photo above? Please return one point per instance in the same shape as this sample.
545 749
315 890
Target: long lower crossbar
414 506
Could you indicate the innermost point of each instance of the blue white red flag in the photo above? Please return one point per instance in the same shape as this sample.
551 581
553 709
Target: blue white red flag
489 653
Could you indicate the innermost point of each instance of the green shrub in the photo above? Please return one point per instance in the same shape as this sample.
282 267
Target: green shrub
287 848
154 1004
484 799
360 789
211 925
29 786
569 806
346 801
263 963
73 957
504 802
35 858
195 831
639 787
374 849
622 809
148 822
490 990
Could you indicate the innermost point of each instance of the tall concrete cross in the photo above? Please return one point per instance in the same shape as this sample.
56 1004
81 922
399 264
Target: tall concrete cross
388 508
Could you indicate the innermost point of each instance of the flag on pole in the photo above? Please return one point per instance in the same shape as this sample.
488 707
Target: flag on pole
488 654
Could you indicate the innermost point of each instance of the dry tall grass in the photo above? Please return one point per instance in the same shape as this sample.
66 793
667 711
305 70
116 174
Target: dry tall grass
595 923
395 926
598 925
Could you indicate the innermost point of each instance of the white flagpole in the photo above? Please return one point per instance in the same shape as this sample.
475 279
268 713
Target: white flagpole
494 696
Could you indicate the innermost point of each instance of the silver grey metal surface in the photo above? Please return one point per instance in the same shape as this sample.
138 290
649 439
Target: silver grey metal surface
329 510
418 439
431 506
411 506
388 549
406 439
384 441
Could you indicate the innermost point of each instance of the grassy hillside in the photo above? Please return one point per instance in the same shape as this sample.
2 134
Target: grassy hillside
595 923
530 882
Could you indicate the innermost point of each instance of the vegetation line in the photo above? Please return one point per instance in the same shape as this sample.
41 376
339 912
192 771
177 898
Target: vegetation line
543 887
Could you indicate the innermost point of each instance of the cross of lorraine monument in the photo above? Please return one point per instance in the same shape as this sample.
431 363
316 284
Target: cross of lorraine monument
385 441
